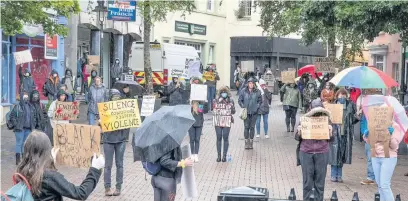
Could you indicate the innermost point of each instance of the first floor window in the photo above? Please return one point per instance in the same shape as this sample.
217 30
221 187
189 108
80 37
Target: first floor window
395 71
379 62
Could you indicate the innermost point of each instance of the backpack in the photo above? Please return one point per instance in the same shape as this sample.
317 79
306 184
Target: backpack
19 192
10 124
151 168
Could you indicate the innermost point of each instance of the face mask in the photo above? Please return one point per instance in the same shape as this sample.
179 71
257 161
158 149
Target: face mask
342 100
25 97
93 74
224 95
200 108
27 74
54 75
117 61
327 87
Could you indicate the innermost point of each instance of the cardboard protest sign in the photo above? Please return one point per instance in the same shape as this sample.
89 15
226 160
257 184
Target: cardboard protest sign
315 128
66 110
336 111
22 57
147 106
248 66
288 76
222 115
93 63
326 64
210 76
379 120
120 114
198 92
77 143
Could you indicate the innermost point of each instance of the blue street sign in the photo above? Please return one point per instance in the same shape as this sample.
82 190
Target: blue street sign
122 10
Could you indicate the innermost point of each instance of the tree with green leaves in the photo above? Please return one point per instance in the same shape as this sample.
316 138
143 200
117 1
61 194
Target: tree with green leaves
14 14
156 11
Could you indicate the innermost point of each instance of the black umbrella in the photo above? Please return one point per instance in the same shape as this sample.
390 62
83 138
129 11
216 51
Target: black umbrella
162 132
135 89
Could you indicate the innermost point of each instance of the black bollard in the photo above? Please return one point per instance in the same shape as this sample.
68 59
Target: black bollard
355 197
292 195
334 196
398 197
377 197
312 196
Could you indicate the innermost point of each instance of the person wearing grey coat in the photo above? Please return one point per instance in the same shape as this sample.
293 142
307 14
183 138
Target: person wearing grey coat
175 92
250 99
97 94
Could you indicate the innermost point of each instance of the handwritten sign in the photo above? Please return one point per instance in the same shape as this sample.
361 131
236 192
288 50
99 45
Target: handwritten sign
22 57
198 92
315 128
222 115
120 114
194 69
326 64
336 111
66 110
288 76
94 61
379 119
129 77
210 76
147 106
77 143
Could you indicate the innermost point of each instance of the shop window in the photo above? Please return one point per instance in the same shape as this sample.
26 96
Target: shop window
5 71
379 62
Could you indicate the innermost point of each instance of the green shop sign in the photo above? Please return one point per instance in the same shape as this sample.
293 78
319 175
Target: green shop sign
190 28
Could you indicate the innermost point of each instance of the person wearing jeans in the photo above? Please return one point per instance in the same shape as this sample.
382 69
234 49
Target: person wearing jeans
367 149
114 143
385 160
211 86
196 129
97 94
251 99
263 112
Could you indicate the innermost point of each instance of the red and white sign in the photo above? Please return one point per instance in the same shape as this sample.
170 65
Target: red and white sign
51 47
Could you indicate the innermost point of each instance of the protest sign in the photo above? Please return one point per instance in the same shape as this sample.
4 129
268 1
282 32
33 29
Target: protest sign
222 115
336 111
210 76
22 57
326 64
93 63
129 77
77 143
198 92
194 69
188 181
379 120
147 106
270 81
66 110
315 128
120 114
288 76
247 66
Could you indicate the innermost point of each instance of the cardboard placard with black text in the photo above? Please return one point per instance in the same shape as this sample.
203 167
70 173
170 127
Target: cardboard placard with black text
288 76
326 64
315 128
379 119
118 115
66 110
222 115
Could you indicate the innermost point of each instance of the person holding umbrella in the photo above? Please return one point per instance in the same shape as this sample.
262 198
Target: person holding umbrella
157 144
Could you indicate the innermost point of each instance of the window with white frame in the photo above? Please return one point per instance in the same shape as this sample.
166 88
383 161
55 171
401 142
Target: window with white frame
247 4
395 71
210 5
211 58
379 62
197 46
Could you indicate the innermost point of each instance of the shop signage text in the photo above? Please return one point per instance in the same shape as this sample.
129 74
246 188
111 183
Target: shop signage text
122 10
51 46
190 28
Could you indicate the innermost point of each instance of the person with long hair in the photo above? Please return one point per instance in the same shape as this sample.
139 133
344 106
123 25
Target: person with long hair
222 131
38 167
197 109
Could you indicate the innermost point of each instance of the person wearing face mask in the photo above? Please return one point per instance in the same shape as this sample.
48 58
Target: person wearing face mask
222 132
90 81
250 99
340 148
69 83
26 81
116 71
97 94
62 97
309 94
263 110
114 143
52 86
175 92
291 103
327 94
24 119
40 111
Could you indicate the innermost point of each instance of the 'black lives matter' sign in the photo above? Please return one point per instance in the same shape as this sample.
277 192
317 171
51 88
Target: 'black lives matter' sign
222 115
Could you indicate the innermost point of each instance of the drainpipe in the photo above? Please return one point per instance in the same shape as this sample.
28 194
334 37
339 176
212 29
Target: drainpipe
402 81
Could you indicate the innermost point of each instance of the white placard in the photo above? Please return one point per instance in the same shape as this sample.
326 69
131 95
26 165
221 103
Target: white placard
147 106
23 57
198 92
194 69
248 66
129 77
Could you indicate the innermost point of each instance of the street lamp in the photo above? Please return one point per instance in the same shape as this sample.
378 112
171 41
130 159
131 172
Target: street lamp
101 10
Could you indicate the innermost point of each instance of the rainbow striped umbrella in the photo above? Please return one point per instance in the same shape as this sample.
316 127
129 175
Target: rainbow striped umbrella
363 77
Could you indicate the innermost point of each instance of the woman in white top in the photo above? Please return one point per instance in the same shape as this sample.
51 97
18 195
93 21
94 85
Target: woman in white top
62 97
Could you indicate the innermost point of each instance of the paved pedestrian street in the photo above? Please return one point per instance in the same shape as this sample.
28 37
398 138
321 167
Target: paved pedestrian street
271 164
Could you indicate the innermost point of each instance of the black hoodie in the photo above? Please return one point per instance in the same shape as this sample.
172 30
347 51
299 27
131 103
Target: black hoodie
39 110
27 82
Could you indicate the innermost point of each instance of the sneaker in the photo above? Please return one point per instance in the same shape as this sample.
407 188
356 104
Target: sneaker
367 182
258 135
267 136
196 158
108 192
333 179
116 193
339 179
193 157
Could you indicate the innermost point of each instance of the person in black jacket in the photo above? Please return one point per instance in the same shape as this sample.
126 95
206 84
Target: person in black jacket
40 111
52 86
38 167
26 81
165 182
250 99
114 142
196 129
24 119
